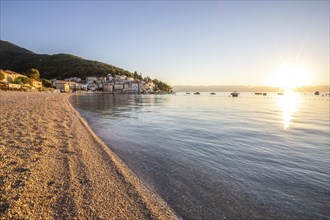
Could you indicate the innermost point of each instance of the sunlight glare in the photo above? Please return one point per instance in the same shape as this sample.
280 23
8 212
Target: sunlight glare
288 104
290 76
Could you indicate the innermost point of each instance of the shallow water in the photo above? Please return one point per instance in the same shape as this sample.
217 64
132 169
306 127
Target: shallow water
218 157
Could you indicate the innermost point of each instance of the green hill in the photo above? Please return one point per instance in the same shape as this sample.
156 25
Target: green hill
58 66
12 49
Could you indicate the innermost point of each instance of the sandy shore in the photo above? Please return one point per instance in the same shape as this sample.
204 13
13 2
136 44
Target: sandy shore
52 166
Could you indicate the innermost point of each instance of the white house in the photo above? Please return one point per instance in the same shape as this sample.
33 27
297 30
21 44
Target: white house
120 77
135 87
73 79
108 87
109 77
119 86
91 79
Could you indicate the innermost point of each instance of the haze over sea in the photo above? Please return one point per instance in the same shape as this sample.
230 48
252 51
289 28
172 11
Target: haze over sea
218 157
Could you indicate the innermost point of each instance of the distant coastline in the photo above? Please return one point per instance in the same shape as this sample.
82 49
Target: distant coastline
230 88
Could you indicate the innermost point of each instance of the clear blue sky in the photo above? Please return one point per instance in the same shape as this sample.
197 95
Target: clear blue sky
179 42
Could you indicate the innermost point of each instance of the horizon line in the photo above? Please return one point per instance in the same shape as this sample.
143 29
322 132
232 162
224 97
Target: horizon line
250 86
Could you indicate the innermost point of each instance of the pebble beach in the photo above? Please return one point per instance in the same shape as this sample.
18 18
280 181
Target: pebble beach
53 166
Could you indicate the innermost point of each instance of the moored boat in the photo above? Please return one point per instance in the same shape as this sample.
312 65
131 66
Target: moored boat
234 94
196 93
212 93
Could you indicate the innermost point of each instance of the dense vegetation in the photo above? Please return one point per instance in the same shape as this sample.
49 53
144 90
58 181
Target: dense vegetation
23 80
2 76
161 86
60 66
32 73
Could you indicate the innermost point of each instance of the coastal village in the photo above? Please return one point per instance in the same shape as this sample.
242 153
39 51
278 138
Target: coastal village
9 81
108 84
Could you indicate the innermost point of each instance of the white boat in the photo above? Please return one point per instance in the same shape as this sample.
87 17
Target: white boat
234 94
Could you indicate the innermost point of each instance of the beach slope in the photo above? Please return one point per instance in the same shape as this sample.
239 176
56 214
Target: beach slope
52 166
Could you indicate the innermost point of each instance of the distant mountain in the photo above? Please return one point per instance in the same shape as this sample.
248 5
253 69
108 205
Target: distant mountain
322 88
58 66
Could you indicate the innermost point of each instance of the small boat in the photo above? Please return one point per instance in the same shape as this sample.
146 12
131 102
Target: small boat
212 93
196 93
258 93
188 93
234 94
264 94
317 93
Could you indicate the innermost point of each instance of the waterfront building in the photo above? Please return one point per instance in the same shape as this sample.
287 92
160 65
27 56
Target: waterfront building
62 85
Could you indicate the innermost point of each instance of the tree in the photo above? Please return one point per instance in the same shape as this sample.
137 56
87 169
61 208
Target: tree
2 76
155 81
33 74
135 75
147 79
140 77
161 86
23 80
46 83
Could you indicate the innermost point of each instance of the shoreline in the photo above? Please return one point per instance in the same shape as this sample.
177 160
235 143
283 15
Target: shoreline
53 166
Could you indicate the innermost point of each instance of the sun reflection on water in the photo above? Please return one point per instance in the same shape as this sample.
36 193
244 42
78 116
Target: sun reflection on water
288 104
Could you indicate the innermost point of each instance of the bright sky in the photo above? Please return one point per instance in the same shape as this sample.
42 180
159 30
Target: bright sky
181 42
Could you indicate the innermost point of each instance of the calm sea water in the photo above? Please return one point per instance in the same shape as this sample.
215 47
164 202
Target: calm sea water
218 157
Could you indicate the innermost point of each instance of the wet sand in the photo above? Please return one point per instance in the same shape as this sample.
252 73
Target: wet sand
53 166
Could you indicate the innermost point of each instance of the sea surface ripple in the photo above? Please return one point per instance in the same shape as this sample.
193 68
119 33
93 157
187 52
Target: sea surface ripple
219 157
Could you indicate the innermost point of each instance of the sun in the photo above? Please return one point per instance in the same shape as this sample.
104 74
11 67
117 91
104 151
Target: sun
290 76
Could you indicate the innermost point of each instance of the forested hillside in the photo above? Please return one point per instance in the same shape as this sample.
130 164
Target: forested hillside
60 66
